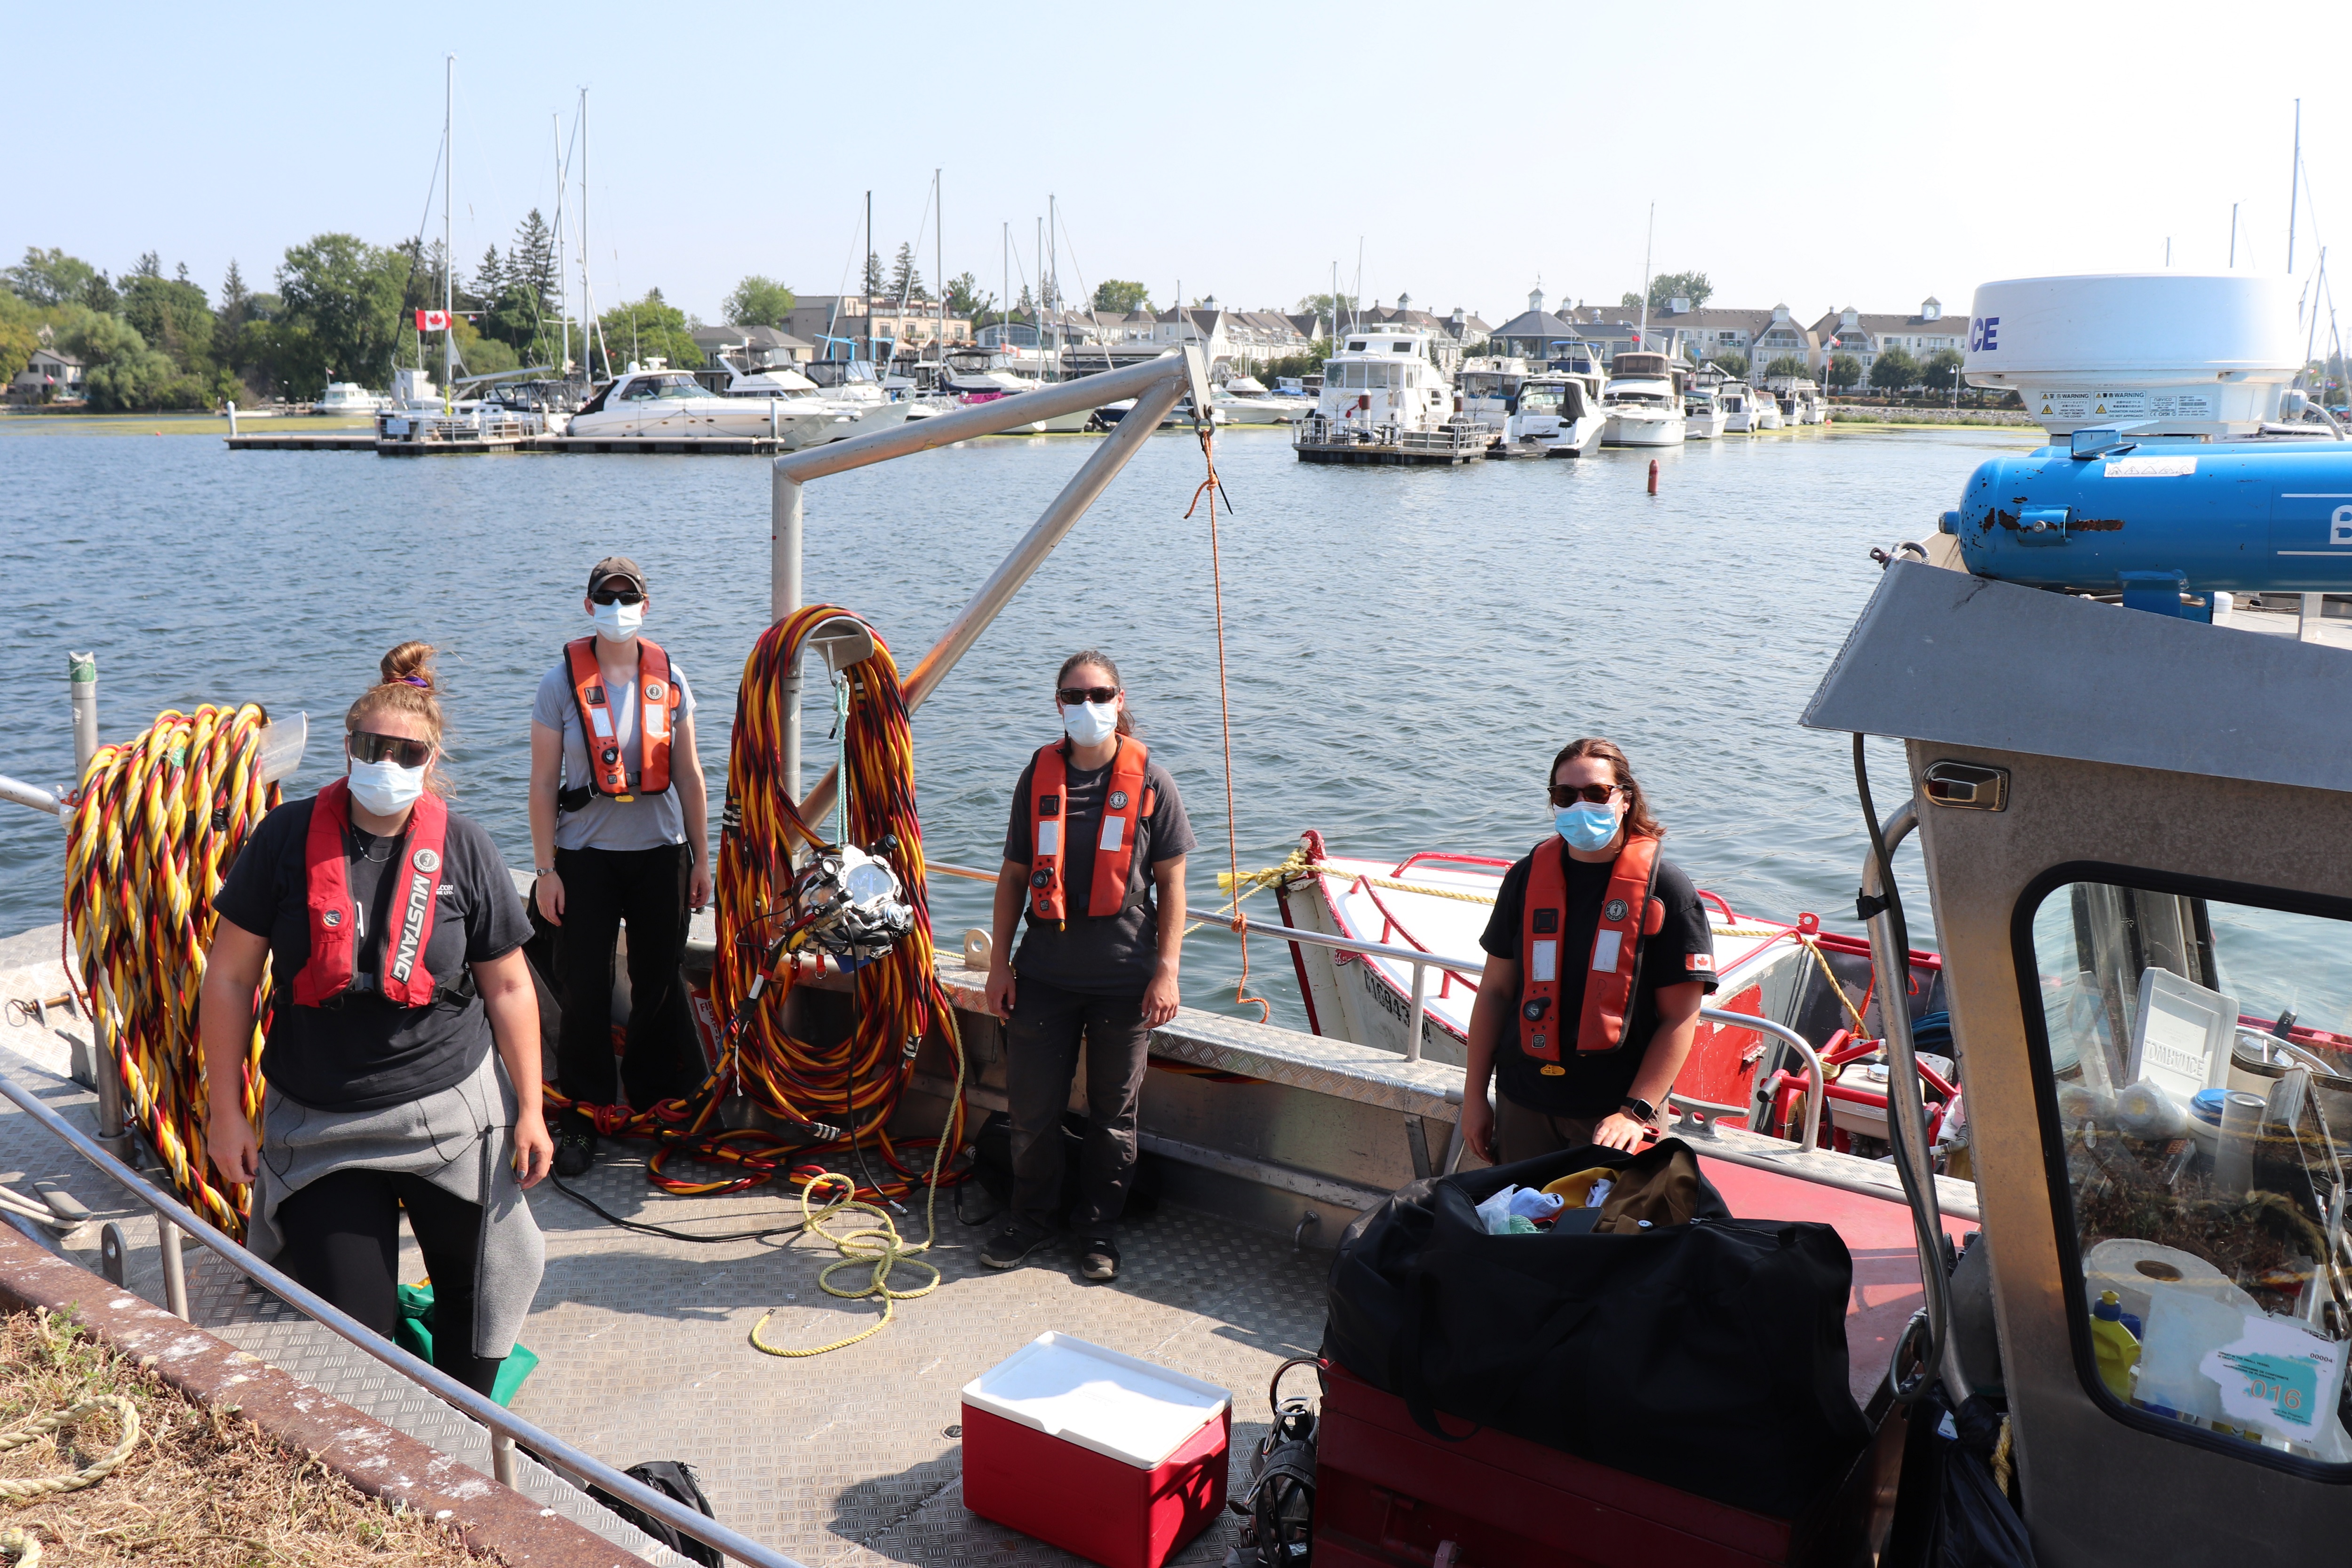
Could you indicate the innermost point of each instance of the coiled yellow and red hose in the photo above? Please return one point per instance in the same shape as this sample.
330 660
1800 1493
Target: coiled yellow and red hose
853 1085
155 827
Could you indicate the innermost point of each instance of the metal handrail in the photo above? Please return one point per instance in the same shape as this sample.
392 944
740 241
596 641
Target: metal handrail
506 1428
1423 962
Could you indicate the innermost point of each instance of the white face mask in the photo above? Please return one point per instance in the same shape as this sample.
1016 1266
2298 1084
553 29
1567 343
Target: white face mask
617 622
1091 723
387 788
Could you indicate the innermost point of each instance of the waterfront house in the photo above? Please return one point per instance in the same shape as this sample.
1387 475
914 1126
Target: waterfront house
48 377
751 348
1533 332
862 326
1866 336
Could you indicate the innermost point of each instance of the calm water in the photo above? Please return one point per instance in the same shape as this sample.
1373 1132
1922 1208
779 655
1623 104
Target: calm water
1407 648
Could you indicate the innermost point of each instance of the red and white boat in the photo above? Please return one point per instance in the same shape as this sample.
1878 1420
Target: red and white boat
1815 982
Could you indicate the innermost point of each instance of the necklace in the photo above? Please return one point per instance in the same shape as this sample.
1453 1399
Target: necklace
367 851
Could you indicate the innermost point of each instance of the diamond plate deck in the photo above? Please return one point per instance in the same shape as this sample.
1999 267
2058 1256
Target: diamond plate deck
840 1459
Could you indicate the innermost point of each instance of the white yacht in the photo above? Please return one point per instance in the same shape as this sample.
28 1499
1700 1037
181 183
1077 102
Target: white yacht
1742 409
350 398
1384 377
1243 400
670 404
1489 388
1556 412
1644 401
1704 415
977 376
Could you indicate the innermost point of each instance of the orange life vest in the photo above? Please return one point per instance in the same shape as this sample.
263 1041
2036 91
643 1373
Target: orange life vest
657 699
1127 805
1628 915
334 915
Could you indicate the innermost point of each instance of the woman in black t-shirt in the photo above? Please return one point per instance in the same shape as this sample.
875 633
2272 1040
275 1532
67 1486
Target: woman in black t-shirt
393 939
1553 1090
1098 965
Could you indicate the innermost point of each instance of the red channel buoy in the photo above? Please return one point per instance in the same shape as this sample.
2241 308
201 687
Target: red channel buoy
1654 476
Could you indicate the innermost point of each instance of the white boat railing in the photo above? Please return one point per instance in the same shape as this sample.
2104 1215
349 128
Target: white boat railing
174 1219
1696 1114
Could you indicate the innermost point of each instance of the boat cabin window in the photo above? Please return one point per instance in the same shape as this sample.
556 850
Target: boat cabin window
1540 397
1356 347
665 386
2198 1081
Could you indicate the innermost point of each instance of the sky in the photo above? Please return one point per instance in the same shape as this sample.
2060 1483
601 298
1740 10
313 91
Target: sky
1816 155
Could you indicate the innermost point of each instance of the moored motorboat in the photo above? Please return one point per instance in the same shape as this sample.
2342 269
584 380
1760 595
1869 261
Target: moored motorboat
351 399
1243 400
1704 415
1644 401
1555 415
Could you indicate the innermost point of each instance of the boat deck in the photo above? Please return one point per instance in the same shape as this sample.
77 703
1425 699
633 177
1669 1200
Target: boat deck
851 1457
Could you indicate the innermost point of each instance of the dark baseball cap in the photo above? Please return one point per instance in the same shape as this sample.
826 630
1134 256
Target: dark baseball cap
616 566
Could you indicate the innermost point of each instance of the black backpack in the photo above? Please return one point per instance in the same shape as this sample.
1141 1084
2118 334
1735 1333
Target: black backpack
673 1478
1278 1509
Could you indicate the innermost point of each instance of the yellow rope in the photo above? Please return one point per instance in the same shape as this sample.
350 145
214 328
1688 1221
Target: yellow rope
879 1246
1847 1002
2003 1465
23 1547
126 1417
155 826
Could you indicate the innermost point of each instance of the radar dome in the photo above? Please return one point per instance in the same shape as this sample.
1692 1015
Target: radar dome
2164 353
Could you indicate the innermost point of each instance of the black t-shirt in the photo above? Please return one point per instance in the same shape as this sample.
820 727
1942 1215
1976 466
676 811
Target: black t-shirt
1594 1084
1099 955
368 1053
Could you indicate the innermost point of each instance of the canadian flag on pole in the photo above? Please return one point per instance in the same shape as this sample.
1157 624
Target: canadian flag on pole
432 321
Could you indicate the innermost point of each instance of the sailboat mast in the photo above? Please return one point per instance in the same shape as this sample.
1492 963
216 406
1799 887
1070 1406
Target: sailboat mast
587 292
2294 186
563 278
449 271
1054 246
866 278
940 266
1648 245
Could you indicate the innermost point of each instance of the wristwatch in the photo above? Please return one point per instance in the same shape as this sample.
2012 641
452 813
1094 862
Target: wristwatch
1643 1110
542 871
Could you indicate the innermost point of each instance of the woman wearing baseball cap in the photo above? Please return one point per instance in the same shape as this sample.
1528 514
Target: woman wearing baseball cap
618 832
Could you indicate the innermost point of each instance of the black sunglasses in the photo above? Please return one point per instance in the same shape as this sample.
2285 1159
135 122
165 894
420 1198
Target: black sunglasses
367 746
616 597
1564 795
1072 696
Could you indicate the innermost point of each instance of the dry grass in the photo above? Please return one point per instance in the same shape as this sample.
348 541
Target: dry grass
203 1490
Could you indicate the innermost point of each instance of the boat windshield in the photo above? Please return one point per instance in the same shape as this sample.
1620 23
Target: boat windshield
1356 377
669 385
2199 1057
1542 398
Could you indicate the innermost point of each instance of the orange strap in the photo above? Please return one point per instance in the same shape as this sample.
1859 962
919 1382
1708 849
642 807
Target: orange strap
1628 915
1126 806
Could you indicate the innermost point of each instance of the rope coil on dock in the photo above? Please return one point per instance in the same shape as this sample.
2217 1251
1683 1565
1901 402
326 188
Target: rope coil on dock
849 1090
156 824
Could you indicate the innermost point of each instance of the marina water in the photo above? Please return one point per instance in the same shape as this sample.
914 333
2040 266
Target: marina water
1406 648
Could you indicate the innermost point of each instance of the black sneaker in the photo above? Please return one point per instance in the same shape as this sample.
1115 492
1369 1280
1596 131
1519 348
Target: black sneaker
1009 1245
575 1144
1098 1259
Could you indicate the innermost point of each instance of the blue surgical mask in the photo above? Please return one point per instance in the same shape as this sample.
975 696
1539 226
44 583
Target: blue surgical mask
1090 723
1587 826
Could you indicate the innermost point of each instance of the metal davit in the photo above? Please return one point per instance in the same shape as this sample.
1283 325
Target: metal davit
1157 385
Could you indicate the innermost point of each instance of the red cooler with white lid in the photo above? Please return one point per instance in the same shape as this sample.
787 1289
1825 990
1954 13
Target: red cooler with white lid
1114 1459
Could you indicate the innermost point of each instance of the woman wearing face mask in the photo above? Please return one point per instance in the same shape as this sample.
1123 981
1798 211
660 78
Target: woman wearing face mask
1600 955
1097 830
394 939
618 832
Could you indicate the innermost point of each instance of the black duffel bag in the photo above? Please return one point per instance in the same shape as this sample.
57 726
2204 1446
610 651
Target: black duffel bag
1699 1351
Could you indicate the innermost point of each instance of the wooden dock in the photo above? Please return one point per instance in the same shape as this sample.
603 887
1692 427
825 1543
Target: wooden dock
368 441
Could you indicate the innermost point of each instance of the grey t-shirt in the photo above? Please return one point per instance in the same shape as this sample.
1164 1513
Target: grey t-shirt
650 821
1099 955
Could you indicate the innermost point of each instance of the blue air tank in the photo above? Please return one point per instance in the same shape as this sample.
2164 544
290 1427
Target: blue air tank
2241 520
